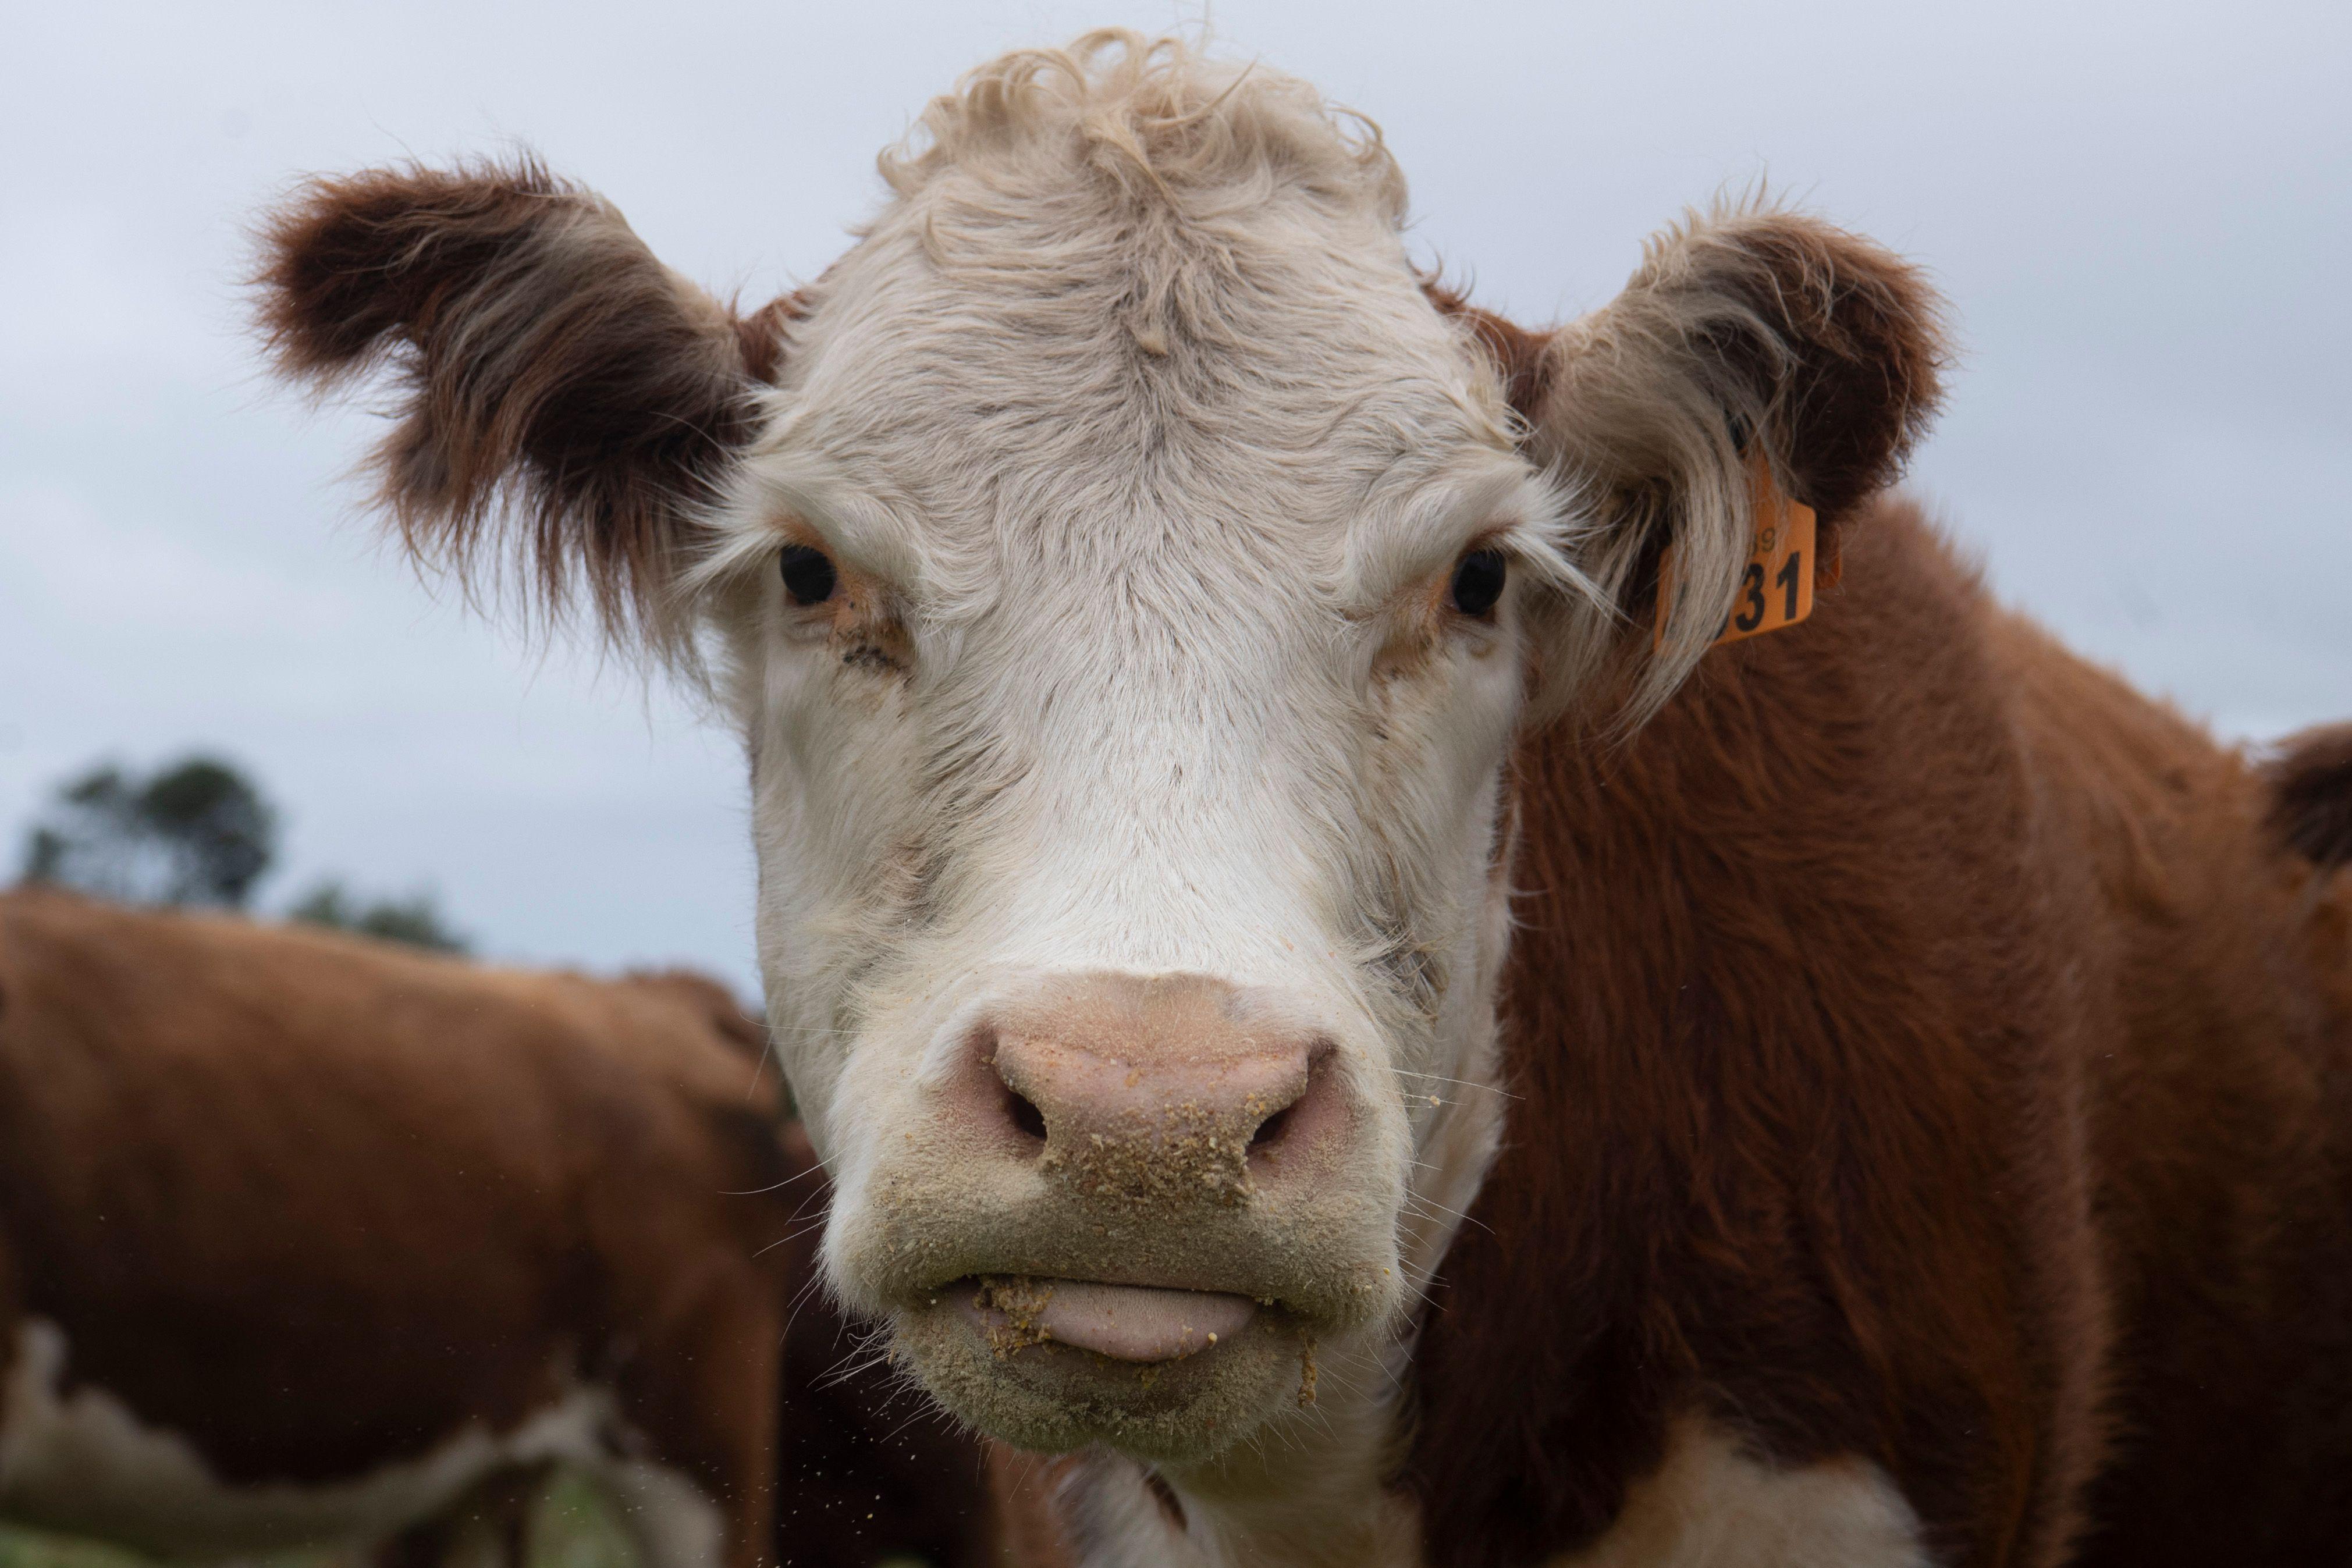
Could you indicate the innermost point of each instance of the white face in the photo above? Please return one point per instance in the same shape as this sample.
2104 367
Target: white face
1127 732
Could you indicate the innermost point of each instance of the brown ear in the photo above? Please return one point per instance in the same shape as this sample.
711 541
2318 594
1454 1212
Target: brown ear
550 377
2309 777
1741 326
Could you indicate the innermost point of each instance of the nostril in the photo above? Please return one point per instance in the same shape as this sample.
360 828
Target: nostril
1270 1131
1300 1118
989 1083
1023 1115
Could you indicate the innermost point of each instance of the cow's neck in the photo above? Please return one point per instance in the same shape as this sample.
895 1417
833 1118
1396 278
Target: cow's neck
1740 974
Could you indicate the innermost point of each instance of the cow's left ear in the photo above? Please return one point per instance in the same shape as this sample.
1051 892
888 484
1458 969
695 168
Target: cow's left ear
1748 335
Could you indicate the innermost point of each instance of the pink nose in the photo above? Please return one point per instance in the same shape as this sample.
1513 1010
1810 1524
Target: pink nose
1168 1089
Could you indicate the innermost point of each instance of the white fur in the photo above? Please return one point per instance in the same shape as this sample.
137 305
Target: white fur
1713 1504
83 1462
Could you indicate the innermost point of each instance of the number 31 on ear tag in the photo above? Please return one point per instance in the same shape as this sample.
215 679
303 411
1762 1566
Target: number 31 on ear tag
1776 587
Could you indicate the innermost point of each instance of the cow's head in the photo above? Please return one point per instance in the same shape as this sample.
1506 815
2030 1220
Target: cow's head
1129 575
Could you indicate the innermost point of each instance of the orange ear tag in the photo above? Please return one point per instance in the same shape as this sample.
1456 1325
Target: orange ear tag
1776 589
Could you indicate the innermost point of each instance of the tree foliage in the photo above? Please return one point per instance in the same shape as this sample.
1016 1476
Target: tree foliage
195 833
198 832
415 920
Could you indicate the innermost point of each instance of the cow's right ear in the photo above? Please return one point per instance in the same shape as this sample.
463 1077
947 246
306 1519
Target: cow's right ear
563 399
1751 341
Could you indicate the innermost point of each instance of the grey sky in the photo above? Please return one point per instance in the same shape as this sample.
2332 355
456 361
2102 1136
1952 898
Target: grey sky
2142 213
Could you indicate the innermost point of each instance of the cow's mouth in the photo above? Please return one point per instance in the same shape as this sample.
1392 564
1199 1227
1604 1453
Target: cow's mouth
1138 1323
1053 1364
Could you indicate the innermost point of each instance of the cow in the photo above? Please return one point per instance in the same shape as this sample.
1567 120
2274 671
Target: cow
306 1239
1341 992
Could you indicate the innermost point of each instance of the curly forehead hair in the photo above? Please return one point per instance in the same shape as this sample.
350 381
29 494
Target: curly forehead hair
1155 117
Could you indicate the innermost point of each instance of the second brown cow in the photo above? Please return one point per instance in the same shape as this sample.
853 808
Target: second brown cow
305 1240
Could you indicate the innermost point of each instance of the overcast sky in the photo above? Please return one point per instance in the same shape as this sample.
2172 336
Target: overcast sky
2142 213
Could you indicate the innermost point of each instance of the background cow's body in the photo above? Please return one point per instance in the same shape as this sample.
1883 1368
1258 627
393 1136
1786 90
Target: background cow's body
301 1238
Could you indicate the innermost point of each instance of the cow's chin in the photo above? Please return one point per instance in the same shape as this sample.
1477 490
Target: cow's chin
1172 1377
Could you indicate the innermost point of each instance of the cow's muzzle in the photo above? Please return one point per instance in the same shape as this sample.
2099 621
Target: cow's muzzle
1138 1206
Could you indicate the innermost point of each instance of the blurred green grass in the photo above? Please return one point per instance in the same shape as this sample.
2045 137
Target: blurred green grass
573 1526
22 1548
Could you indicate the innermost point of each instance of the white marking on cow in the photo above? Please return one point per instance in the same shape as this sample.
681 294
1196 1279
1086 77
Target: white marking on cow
83 1462
1713 1504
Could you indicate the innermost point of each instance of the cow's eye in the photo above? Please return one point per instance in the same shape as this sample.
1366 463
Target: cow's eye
809 575
1478 582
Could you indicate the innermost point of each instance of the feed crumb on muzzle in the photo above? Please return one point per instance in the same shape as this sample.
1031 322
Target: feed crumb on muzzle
1020 1301
1196 1154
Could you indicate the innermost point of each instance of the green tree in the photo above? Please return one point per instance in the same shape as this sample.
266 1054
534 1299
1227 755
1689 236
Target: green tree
194 832
415 920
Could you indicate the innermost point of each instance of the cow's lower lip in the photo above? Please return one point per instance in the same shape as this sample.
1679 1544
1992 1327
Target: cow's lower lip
1125 1322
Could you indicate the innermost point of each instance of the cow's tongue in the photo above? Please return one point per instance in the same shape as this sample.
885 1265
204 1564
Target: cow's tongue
1135 1322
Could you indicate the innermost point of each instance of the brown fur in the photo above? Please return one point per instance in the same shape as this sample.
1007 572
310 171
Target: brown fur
1866 1012
549 370
1926 1054
2310 780
317 1204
